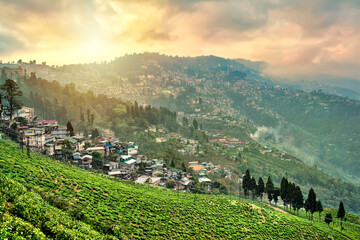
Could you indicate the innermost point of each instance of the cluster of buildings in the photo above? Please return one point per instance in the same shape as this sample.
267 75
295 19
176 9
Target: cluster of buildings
117 159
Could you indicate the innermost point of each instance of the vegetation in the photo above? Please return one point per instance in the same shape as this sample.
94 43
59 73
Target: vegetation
126 210
12 91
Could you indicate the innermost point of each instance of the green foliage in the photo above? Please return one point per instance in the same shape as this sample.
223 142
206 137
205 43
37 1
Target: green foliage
12 91
127 210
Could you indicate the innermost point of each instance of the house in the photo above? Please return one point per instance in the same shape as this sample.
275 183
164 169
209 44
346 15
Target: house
204 179
142 179
125 158
58 150
98 149
61 133
25 112
130 164
73 141
85 161
160 139
34 139
132 151
154 180
76 157
111 166
50 149
186 183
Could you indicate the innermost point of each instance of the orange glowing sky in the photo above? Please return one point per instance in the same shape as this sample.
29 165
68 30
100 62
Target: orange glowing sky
293 37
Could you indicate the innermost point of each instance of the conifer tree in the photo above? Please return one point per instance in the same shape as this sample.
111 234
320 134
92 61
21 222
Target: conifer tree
269 188
299 199
195 124
260 188
11 92
341 213
252 186
246 181
283 190
276 194
311 201
70 128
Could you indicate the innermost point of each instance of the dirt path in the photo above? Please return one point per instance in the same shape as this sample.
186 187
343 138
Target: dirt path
276 208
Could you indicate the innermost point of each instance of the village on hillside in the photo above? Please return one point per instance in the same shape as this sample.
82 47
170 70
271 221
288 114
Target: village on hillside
105 152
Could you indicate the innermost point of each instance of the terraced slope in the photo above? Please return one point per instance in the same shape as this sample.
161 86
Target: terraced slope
129 211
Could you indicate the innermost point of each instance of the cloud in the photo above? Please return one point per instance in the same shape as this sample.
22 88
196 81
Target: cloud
292 36
9 44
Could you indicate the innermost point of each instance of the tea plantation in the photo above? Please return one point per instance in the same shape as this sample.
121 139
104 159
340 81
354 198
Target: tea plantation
41 198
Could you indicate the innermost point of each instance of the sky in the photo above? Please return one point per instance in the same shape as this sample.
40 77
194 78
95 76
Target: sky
293 36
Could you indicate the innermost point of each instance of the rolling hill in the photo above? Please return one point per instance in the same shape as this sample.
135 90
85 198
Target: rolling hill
85 205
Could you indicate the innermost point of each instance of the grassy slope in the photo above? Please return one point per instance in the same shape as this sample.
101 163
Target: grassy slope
133 211
330 190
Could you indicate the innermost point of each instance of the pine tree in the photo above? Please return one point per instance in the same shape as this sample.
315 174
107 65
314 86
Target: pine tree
283 190
311 201
306 205
341 213
299 199
11 91
276 194
136 108
260 188
195 124
269 188
245 182
289 194
319 208
252 186
70 128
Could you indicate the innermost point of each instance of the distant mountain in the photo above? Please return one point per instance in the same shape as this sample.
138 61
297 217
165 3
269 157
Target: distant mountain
345 87
320 128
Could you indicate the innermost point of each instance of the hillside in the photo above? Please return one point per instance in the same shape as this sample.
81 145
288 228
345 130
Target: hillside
125 210
319 128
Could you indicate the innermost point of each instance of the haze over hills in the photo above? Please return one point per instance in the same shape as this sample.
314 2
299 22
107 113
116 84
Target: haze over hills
317 127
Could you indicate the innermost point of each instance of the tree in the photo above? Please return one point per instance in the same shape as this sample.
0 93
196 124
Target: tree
11 91
319 208
183 167
246 181
95 133
341 213
252 186
275 194
170 184
298 199
311 201
306 205
185 121
97 160
290 191
136 108
328 218
283 190
269 188
1 97
172 164
70 128
260 188
195 124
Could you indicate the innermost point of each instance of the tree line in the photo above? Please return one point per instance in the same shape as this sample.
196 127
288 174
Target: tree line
290 194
